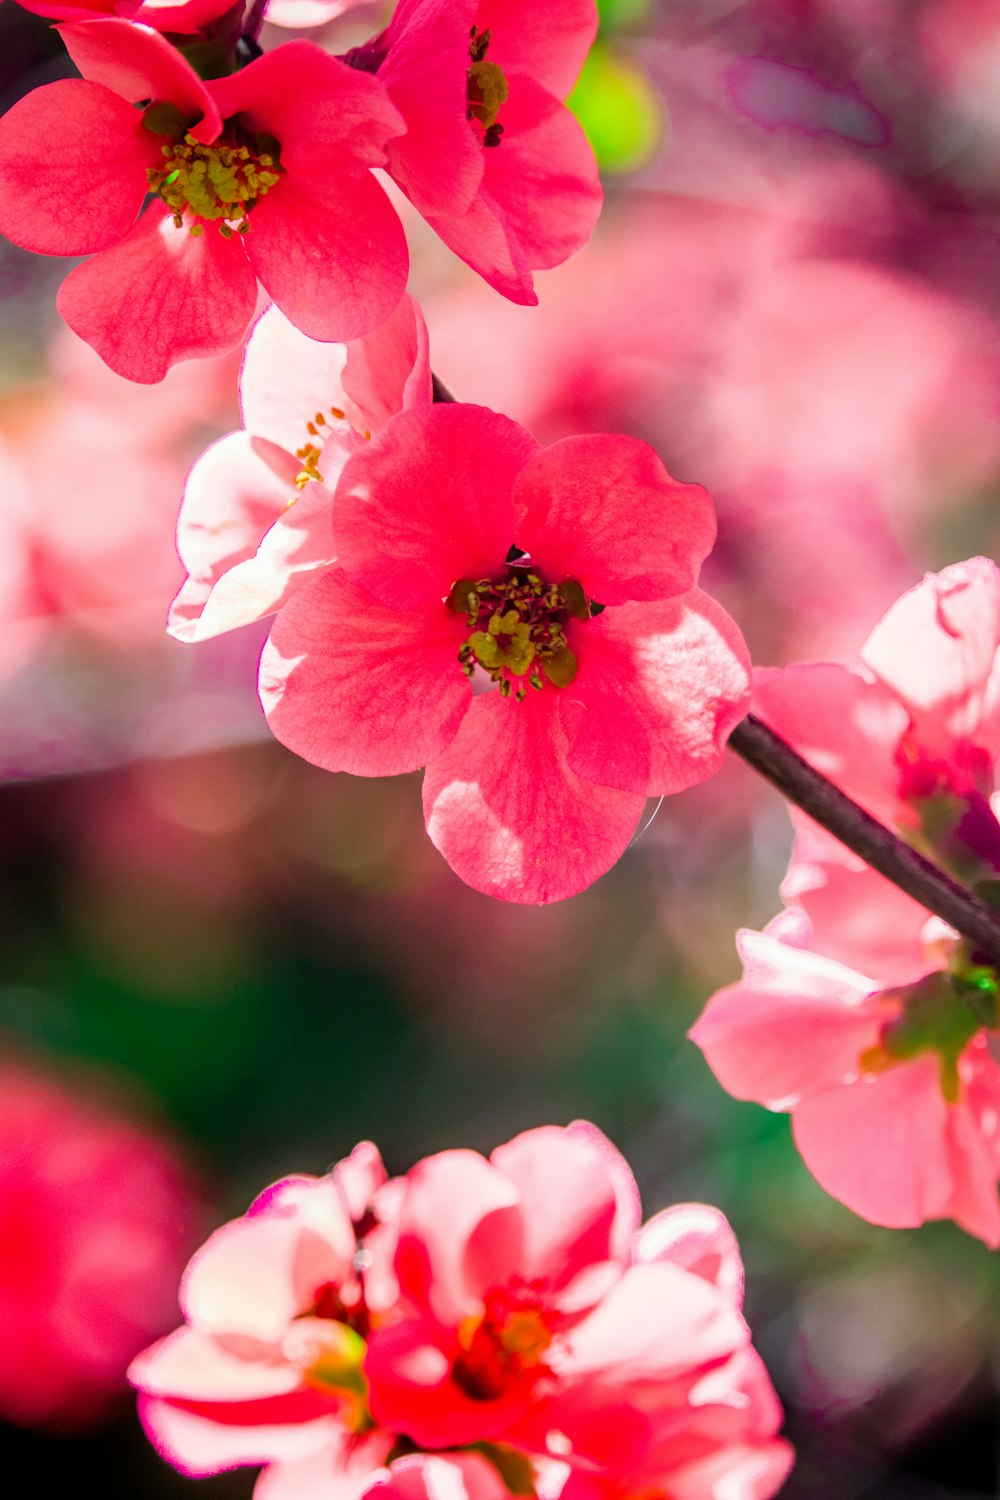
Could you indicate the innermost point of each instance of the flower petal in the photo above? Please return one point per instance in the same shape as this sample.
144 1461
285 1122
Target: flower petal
138 63
353 685
604 510
286 379
73 160
188 1365
198 1443
659 688
388 370
548 43
160 295
509 815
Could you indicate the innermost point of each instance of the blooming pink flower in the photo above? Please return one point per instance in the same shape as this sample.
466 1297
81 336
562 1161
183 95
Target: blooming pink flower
533 790
181 16
859 1012
359 1336
96 1216
246 546
262 174
491 158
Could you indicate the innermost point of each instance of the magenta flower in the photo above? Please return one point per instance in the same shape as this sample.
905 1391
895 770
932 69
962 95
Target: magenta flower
261 175
491 157
563 579
306 408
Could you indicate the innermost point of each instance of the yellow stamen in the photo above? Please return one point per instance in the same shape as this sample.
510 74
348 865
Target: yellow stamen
219 181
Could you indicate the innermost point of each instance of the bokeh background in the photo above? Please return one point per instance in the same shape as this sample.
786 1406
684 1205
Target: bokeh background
219 965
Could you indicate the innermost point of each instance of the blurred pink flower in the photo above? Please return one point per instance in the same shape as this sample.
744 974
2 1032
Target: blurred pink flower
246 546
97 1215
289 140
495 163
463 548
182 16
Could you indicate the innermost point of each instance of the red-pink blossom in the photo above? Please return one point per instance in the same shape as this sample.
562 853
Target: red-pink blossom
263 174
464 550
97 1214
495 163
180 16
306 408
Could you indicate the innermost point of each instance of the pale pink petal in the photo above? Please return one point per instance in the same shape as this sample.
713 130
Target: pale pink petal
542 178
300 15
193 1366
698 1238
568 1201
460 1232
331 120
233 493
879 1144
797 1023
353 685
509 815
629 1212
550 44
428 503
659 688
659 1321
452 1476
332 254
287 379
344 1470
860 919
73 160
137 63
604 510
740 1471
388 370
160 295
198 1445
937 648
974 1169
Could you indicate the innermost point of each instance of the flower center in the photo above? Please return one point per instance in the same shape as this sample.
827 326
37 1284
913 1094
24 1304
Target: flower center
505 1346
941 1014
485 89
309 454
220 181
518 628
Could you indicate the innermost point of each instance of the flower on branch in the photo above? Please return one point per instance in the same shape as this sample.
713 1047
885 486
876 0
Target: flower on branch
560 582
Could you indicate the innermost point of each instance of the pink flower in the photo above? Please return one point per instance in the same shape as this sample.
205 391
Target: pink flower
96 1216
246 546
182 16
860 1013
269 1363
262 174
361 1337
464 550
491 158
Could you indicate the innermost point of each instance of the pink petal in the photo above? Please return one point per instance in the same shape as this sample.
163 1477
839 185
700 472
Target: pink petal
233 493
198 1445
460 1233
192 1366
975 1167
796 1024
604 510
286 379
509 815
659 688
568 1201
481 237
438 162
333 257
331 120
344 1470
159 296
698 1238
452 1476
137 63
428 502
657 1322
740 1471
550 45
73 160
860 919
352 685
388 370
879 1144
542 179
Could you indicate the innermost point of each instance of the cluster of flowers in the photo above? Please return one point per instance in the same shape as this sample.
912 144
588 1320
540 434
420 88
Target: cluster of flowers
260 167
477 1329
858 1011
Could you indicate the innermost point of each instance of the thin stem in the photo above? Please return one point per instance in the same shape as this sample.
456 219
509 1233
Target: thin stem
254 19
877 845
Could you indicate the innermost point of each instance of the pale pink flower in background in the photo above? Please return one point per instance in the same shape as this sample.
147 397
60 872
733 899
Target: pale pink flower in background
97 1215
256 518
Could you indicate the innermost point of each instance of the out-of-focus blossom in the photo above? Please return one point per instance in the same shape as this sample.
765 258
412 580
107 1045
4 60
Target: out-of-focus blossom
867 1018
262 174
256 517
97 1215
491 158
466 551
480 1324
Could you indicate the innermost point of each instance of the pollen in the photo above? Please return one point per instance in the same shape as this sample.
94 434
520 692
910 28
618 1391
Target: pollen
486 88
219 181
518 629
309 454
